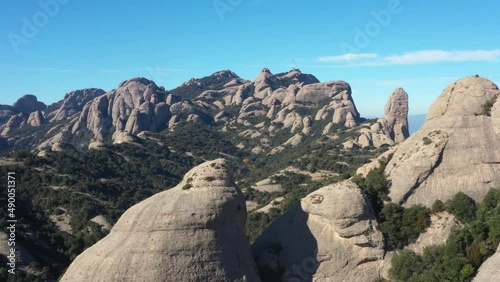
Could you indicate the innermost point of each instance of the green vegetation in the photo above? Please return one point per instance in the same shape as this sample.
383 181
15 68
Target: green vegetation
466 248
462 206
402 226
399 225
427 140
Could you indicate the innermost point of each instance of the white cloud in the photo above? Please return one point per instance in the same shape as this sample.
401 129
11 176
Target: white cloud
348 57
436 56
412 58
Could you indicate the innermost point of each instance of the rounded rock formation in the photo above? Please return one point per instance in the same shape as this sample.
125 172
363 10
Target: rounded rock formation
192 232
456 150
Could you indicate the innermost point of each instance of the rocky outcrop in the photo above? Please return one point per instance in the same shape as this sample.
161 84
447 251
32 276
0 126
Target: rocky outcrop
489 270
74 102
134 106
396 115
456 150
6 112
391 129
28 104
297 76
264 83
13 123
437 233
331 236
36 118
192 232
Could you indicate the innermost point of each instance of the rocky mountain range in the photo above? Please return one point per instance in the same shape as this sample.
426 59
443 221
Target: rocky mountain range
293 101
306 189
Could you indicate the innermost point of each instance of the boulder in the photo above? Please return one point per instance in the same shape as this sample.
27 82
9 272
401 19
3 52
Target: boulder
331 236
192 232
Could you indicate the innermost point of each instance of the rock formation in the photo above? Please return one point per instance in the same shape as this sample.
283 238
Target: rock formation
133 106
396 115
391 129
36 118
74 102
331 236
28 104
192 232
456 150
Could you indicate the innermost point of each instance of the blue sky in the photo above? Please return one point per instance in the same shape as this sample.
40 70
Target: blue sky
51 47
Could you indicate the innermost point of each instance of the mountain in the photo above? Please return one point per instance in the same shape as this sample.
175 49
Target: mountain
455 150
334 234
291 100
89 157
321 193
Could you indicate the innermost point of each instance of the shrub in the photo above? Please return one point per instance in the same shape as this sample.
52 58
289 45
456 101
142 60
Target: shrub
462 206
438 206
402 226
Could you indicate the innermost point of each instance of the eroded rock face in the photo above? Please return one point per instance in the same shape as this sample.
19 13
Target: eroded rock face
6 112
396 115
36 118
74 102
192 232
456 150
134 106
331 236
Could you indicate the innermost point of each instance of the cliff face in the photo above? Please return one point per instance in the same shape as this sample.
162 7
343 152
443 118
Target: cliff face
192 232
456 150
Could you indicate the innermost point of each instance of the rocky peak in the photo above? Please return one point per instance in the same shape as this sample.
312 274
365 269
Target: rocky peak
396 115
465 97
74 102
264 80
297 76
225 74
197 229
28 104
140 80
456 150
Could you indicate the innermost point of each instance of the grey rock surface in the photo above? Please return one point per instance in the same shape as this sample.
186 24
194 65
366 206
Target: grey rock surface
396 115
456 150
192 232
331 236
